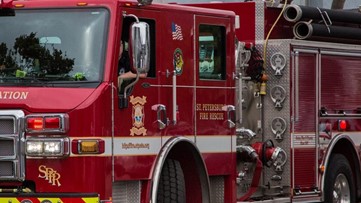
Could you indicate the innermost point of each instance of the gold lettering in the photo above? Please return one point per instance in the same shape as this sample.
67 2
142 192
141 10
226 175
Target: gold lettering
216 116
204 107
49 174
42 169
210 111
211 107
198 107
54 178
203 116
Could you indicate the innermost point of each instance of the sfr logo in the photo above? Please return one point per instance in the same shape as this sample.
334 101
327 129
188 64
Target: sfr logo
50 175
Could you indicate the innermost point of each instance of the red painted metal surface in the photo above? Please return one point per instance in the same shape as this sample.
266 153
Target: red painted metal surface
282 30
247 13
50 199
340 81
307 93
90 110
42 100
304 169
75 174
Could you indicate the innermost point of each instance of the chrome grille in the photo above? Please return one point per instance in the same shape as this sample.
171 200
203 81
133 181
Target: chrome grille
7 169
11 159
7 125
7 147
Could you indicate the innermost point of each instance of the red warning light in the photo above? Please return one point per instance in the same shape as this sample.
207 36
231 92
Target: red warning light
342 124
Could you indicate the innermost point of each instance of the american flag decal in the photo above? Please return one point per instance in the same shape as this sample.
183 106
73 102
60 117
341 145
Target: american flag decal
177 32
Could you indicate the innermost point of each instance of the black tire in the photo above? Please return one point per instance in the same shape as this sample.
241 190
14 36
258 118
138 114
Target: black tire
339 171
171 188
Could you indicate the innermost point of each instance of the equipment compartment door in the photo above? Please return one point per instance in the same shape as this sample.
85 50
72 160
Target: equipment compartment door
304 136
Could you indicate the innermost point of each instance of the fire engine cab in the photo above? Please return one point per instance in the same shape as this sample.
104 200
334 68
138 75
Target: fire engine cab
216 102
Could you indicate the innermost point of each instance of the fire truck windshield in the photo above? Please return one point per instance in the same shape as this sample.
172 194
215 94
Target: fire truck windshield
53 46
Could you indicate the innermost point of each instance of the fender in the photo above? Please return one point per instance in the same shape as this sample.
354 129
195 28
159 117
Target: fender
331 149
200 167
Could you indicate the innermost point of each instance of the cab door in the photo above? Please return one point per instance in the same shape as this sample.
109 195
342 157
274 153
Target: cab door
214 94
137 137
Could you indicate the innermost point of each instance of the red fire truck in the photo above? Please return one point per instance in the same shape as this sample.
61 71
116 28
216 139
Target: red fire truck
223 102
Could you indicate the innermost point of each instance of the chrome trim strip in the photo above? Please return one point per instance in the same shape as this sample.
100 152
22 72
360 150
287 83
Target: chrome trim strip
339 53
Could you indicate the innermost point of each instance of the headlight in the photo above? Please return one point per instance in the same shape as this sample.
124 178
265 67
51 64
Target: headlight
47 147
34 147
52 147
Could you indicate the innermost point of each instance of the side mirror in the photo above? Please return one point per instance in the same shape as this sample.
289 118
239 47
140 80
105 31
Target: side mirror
242 55
140 45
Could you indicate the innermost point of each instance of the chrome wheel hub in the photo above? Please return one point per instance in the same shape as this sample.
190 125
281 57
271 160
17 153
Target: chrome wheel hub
341 190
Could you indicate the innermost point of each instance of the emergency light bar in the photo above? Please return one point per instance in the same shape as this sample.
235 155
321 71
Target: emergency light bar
145 2
6 9
46 123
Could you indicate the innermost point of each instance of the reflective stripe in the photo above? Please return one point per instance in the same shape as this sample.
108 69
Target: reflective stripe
134 146
214 144
8 199
91 199
57 200
51 199
137 146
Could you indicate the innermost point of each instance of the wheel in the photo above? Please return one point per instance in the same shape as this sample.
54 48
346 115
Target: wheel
339 183
171 188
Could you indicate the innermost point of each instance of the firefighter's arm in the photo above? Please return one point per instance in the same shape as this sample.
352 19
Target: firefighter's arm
130 75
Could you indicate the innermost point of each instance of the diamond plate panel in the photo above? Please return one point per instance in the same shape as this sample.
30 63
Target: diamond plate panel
217 189
126 192
258 115
260 6
270 111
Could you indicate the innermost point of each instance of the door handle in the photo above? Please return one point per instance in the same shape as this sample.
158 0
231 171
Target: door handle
162 119
231 115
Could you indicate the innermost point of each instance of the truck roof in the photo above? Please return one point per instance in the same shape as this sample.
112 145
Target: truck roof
156 6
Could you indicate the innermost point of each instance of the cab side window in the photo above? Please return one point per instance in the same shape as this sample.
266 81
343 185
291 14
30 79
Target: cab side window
212 61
